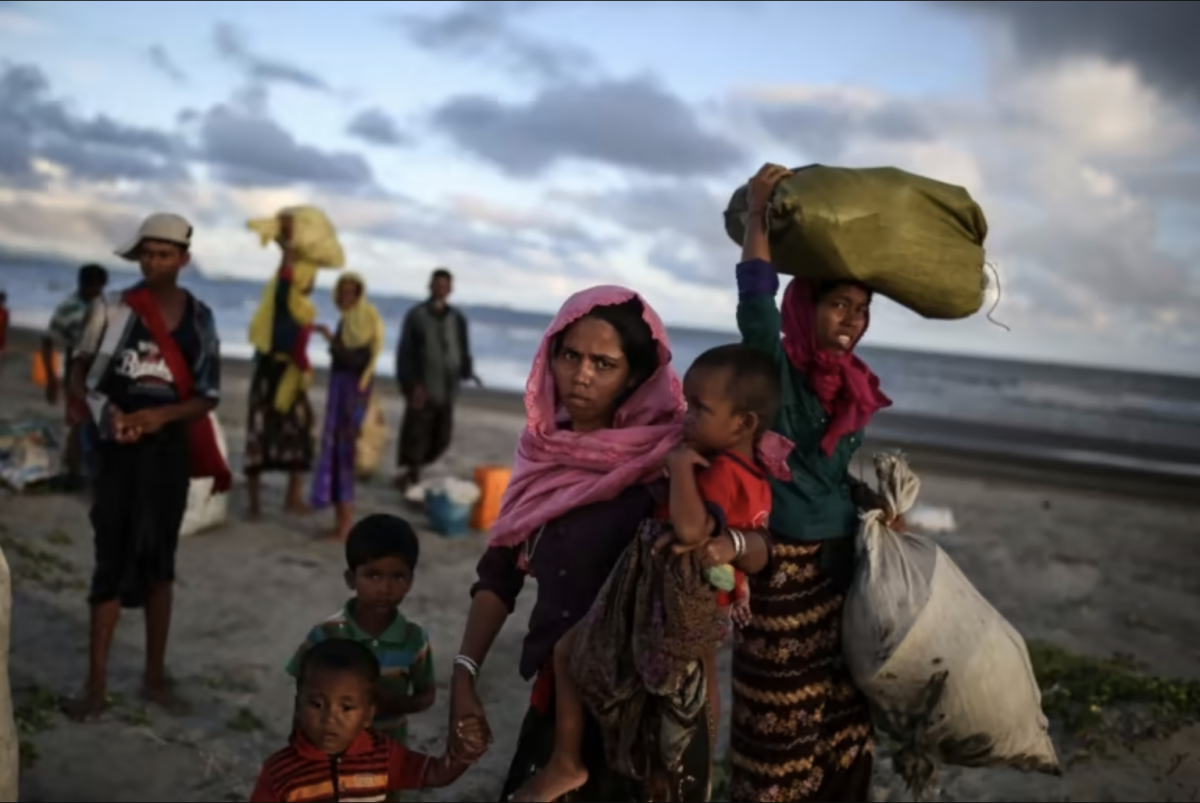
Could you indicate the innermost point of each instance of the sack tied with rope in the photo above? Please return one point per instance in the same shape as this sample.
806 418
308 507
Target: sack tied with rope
947 676
915 240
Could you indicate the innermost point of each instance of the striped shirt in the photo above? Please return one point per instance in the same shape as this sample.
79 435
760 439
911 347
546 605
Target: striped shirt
403 651
371 767
66 325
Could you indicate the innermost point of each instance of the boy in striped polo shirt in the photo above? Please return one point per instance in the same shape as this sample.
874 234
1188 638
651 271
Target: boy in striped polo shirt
334 756
381 554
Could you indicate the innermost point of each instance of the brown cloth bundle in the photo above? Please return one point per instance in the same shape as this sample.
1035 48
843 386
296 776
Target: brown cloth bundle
639 655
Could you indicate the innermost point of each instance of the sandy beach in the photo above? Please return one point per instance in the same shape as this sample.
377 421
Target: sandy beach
1096 566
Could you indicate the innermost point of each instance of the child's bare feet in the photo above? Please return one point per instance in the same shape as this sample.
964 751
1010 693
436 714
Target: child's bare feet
164 696
559 777
89 704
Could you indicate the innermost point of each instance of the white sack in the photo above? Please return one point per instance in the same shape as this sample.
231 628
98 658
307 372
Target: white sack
948 677
206 510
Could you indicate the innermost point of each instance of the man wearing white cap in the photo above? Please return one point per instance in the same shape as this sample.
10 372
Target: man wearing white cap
147 371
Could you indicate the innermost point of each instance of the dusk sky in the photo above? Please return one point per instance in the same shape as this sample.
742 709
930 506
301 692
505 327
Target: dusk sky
537 148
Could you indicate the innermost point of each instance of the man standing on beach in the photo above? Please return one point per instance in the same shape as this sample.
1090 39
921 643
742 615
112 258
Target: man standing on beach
66 325
146 369
433 357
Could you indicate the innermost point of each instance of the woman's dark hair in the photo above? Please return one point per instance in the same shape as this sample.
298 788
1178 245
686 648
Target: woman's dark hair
826 287
637 341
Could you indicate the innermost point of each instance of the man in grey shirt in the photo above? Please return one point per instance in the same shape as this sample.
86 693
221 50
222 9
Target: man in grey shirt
433 358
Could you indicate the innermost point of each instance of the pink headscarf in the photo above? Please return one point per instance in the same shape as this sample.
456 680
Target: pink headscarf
843 383
557 470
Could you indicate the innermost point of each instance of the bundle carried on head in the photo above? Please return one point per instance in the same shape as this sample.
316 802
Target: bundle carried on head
314 245
915 240
314 238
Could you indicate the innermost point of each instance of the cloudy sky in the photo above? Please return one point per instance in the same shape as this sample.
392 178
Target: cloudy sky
540 147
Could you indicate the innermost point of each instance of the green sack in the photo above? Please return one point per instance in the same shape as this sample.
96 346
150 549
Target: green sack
915 240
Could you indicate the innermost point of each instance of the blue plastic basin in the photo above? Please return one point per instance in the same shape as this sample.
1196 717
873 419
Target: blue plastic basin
445 516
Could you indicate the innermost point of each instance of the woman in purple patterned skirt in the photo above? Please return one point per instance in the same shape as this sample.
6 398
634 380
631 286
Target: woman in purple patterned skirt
354 347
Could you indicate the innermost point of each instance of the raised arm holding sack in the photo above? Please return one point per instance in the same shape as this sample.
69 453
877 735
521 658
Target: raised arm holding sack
915 240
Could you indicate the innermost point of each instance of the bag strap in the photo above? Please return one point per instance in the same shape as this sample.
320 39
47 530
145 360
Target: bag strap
142 303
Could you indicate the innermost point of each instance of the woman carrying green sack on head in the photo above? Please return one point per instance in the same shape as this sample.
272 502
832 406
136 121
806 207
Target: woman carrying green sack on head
801 730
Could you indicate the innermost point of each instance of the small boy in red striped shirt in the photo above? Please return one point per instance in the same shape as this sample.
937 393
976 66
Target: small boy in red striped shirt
333 756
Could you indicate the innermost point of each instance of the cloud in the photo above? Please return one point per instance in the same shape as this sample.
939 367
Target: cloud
1158 38
36 127
1077 163
378 128
15 18
162 61
486 28
633 124
681 221
247 148
232 46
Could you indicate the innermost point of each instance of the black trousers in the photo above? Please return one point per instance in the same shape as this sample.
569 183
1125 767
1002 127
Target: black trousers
425 434
141 494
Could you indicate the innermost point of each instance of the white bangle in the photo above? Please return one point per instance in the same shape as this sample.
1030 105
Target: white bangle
468 664
739 543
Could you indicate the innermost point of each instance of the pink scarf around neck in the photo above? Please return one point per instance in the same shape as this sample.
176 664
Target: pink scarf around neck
557 470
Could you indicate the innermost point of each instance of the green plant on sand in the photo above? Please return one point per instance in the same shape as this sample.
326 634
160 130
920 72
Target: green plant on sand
1097 697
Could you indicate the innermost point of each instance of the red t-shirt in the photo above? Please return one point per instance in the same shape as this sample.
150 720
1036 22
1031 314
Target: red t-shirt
3 327
740 492
373 766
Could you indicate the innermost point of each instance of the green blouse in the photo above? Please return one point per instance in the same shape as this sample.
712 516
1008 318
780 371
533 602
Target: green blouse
817 505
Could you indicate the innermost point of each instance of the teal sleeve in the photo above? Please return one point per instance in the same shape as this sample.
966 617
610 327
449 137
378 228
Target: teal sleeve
758 322
421 675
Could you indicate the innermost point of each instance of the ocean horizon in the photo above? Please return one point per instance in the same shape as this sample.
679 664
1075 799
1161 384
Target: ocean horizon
1122 407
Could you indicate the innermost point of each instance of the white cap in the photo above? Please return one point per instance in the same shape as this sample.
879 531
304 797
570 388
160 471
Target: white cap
163 226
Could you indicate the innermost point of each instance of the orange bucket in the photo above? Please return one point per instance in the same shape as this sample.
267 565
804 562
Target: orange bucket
492 482
38 374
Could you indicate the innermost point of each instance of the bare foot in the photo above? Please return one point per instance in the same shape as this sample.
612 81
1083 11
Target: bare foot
253 514
336 535
90 704
164 696
296 508
558 778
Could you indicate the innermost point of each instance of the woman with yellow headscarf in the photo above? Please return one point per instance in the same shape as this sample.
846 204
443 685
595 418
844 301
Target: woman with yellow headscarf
354 348
280 421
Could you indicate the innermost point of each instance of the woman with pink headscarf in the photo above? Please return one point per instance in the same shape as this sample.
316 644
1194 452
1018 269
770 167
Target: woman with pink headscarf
801 729
603 408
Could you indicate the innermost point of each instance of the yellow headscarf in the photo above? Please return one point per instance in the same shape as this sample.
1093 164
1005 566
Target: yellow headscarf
362 327
316 246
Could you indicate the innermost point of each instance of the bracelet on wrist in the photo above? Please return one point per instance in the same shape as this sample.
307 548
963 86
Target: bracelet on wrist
469 664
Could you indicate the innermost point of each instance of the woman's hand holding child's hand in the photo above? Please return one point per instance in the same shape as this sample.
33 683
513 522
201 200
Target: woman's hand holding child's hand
471 740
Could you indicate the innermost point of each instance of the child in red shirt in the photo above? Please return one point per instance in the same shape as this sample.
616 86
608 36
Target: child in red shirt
717 482
332 755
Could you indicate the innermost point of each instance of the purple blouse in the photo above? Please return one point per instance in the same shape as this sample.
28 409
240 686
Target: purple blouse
571 559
